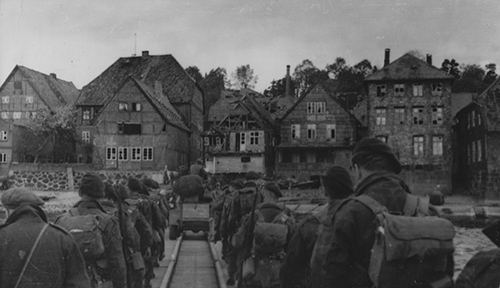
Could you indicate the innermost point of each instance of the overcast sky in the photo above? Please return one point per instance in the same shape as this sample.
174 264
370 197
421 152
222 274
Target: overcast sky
78 39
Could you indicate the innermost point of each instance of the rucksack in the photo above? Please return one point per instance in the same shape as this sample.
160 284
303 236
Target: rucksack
409 251
246 200
86 232
482 271
270 238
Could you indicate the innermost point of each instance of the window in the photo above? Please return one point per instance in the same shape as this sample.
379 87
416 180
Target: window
86 136
254 138
473 144
437 89
295 131
382 138
136 154
478 119
5 100
418 90
418 115
418 145
243 139
129 128
29 99
3 136
122 106
3 157
380 116
137 107
245 159
316 107
32 114
123 153
437 145
110 153
311 131
86 113
16 115
399 115
399 89
330 131
479 151
381 90
147 154
5 115
437 115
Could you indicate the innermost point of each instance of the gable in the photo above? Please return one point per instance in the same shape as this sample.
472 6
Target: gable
490 101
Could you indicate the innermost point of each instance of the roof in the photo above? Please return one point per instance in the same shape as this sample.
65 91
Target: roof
281 104
489 100
408 67
229 100
177 85
54 92
460 100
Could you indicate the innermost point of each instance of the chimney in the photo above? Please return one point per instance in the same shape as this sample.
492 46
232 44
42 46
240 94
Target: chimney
429 59
387 58
145 53
53 75
287 81
158 88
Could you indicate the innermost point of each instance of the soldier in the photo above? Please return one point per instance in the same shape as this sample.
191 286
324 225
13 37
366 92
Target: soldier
348 255
269 224
296 271
35 253
139 192
107 269
227 229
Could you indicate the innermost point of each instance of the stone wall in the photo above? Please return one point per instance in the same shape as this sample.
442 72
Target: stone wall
53 177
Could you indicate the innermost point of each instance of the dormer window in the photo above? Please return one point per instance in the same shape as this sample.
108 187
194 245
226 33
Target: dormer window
86 113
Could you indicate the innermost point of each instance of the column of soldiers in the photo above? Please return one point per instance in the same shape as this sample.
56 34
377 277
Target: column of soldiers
264 247
112 237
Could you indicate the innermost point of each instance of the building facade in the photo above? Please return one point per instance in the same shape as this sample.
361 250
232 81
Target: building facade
135 131
409 107
25 93
240 135
477 151
316 133
158 72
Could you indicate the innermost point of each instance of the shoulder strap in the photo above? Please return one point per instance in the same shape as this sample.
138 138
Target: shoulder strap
31 254
371 203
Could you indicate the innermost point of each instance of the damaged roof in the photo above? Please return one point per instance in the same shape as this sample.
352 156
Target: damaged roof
177 85
489 100
408 67
54 92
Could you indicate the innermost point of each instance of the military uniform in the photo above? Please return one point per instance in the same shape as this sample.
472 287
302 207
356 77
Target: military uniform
114 269
56 261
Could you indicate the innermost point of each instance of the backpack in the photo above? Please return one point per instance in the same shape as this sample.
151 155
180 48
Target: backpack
410 251
482 271
268 249
270 238
246 200
86 232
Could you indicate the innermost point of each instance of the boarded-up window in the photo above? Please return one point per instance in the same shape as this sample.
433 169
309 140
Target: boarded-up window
437 115
418 115
399 89
381 90
245 159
